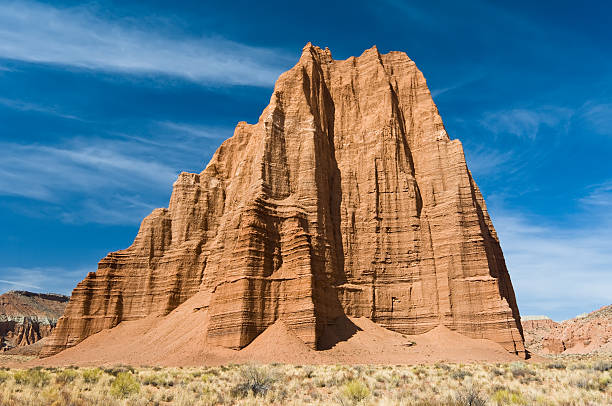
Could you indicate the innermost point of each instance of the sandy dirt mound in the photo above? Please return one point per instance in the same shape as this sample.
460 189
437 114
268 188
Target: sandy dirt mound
179 340
375 344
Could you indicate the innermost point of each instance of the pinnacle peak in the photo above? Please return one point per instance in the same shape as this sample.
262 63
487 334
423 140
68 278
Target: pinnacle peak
309 48
372 49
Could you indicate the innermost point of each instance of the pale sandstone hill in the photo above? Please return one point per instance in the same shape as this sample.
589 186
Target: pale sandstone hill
346 198
27 317
590 333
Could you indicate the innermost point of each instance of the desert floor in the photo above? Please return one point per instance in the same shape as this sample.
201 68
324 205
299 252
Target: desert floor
575 380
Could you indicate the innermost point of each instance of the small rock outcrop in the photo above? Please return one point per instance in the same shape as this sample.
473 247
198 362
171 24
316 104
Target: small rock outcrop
584 334
346 198
27 317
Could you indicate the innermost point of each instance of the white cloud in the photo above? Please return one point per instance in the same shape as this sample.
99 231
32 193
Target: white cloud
45 173
41 279
199 131
598 117
526 122
35 32
18 284
556 271
38 108
484 162
600 196
118 179
437 92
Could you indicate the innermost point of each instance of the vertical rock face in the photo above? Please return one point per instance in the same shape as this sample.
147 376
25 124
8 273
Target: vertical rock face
346 198
26 317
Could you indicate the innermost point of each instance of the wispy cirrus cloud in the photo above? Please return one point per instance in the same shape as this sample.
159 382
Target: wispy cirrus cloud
437 92
600 196
45 172
77 37
18 284
109 179
41 279
523 122
37 108
195 130
598 117
484 162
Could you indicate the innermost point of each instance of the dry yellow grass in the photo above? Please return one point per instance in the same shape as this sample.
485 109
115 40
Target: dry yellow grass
558 381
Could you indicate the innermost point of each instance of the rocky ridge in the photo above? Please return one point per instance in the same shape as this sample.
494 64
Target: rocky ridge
26 317
584 334
346 199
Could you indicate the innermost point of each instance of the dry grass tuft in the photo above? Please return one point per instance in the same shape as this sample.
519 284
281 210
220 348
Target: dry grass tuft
560 381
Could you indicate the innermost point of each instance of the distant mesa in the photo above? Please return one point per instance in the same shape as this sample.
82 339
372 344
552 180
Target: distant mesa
347 201
26 318
588 333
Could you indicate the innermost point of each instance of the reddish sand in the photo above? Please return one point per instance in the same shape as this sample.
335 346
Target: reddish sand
179 340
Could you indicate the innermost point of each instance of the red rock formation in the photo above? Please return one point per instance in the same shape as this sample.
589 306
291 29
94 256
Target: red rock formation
591 333
347 197
27 317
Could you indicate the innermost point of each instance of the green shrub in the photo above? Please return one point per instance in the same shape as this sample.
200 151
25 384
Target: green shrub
92 375
254 380
445 367
116 370
584 383
124 385
460 374
556 365
603 366
498 372
66 376
506 397
35 377
519 369
157 380
470 397
309 372
207 377
355 391
603 382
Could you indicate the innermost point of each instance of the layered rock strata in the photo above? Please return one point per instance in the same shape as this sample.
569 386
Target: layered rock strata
346 198
27 317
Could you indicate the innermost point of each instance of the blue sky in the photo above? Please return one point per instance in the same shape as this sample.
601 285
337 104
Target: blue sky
103 103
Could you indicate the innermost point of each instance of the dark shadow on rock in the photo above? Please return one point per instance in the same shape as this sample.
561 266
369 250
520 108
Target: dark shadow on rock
336 331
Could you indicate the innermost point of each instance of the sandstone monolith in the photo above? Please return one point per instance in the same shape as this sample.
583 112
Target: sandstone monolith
346 198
